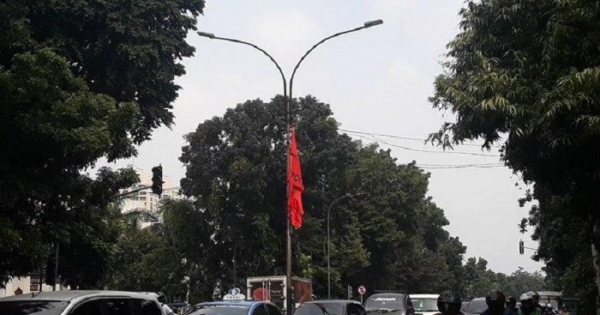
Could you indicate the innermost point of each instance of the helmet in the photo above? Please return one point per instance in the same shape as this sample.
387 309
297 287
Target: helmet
495 299
527 305
534 294
511 299
449 303
450 297
526 296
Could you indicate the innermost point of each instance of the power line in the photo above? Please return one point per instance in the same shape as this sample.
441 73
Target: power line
404 137
373 137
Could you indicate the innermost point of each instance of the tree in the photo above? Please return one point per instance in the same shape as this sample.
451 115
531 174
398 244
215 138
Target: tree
235 173
79 80
528 70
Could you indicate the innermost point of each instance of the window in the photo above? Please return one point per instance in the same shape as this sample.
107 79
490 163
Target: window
116 307
32 308
260 310
425 304
220 309
273 310
320 308
146 307
88 308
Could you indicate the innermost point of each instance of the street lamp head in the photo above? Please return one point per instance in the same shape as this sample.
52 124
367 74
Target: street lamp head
373 23
204 34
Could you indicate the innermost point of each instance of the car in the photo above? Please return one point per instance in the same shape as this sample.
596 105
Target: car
330 307
389 302
234 308
425 304
81 303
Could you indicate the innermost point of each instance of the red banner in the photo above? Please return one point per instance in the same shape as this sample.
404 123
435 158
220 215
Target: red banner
295 185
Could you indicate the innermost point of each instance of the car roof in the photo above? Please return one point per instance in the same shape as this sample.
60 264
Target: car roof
331 301
425 296
71 295
388 294
243 303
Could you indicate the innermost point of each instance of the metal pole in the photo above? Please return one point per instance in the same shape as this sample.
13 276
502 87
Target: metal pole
289 303
56 282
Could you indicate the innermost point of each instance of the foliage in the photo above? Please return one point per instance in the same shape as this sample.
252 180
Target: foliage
529 70
479 280
79 80
387 234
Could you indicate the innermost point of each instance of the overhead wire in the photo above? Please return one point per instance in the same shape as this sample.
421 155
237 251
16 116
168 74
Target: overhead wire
405 138
429 151
372 137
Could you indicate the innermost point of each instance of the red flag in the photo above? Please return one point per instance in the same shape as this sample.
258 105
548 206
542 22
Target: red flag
295 185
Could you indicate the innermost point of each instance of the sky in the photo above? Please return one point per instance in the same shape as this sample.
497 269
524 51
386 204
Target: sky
376 81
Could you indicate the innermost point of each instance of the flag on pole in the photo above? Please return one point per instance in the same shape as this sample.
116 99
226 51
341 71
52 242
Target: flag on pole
295 184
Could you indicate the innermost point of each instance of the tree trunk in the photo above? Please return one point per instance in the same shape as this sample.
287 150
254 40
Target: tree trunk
596 257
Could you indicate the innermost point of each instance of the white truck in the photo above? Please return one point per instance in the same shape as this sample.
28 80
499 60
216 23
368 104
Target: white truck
272 288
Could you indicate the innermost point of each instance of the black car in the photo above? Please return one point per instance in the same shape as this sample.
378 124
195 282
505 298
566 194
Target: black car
330 307
390 304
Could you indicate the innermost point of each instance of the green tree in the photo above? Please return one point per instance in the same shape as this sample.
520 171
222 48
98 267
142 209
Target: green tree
79 80
528 70
236 177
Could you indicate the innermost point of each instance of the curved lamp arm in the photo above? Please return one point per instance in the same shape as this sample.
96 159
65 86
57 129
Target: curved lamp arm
212 36
365 25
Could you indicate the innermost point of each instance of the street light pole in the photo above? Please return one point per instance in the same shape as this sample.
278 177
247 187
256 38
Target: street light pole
288 295
328 241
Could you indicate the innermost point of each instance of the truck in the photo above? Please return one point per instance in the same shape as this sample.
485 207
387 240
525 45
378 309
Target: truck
272 288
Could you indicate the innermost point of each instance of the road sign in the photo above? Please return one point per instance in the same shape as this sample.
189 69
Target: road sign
362 290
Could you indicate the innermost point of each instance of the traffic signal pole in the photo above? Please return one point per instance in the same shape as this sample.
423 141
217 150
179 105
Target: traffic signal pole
157 182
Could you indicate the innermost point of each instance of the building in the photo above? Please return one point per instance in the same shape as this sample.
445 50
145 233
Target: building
359 144
24 285
147 202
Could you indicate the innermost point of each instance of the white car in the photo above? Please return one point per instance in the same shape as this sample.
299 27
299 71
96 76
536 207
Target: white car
425 304
81 303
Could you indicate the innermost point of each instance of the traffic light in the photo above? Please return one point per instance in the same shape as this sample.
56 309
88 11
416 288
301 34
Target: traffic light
521 247
157 181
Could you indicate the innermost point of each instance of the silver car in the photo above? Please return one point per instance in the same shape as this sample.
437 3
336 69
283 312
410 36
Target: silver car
81 303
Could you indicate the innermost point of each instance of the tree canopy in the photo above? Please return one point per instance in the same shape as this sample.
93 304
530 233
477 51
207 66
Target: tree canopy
527 72
79 80
389 234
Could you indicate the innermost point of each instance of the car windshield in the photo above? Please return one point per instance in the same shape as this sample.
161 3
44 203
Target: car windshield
228 309
32 307
392 302
476 307
320 309
425 305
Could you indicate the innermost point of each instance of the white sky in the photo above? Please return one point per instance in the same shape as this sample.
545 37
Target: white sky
376 80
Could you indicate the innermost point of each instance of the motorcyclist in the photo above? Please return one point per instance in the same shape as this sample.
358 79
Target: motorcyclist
536 301
511 306
495 301
527 306
449 303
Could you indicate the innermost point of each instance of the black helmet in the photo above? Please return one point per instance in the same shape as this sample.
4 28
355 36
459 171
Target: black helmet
450 297
495 299
511 299
449 303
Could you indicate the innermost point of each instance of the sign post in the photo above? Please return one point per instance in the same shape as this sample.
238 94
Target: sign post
362 290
